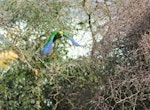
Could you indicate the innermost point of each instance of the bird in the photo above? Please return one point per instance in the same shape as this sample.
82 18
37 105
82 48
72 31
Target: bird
57 34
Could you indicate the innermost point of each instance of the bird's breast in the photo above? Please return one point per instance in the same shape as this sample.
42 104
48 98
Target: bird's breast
57 37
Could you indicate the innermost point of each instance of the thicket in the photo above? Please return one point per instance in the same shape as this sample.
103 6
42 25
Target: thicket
115 76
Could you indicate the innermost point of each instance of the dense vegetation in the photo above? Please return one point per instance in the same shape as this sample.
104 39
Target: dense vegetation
115 75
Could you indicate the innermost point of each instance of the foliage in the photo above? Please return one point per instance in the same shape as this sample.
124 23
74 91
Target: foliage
115 75
6 57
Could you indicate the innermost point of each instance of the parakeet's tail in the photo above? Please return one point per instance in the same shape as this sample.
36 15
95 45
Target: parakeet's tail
47 48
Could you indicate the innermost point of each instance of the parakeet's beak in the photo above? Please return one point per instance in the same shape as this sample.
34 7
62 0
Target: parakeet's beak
61 33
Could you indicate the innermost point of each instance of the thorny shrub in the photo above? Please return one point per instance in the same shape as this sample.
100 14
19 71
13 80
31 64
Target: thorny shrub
116 78
127 87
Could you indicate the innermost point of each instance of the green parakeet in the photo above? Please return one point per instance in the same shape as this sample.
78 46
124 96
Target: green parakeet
47 48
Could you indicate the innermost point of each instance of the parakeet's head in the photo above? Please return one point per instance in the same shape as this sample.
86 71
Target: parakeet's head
61 33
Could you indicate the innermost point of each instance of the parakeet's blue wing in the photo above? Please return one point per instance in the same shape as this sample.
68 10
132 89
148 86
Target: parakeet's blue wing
71 39
48 46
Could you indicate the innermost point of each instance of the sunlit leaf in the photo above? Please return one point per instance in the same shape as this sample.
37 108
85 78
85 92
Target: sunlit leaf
14 30
8 34
35 71
6 57
54 56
